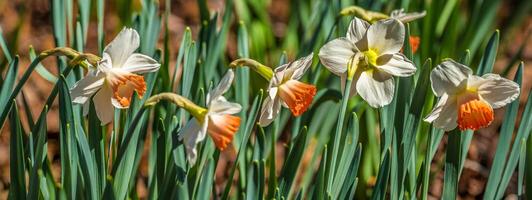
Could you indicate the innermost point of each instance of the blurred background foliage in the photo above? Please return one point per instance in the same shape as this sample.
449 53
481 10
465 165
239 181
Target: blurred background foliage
199 38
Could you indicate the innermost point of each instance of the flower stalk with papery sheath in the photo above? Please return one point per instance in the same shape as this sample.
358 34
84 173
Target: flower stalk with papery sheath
467 100
217 119
372 16
370 55
284 88
116 76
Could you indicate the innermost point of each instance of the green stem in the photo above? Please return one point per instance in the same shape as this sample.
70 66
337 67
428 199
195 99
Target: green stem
76 59
197 111
426 169
127 138
261 69
335 140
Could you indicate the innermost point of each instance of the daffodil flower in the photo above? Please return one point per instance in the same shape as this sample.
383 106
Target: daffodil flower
286 89
371 55
116 77
467 100
216 119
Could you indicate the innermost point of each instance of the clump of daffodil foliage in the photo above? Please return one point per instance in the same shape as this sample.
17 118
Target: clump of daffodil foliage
350 101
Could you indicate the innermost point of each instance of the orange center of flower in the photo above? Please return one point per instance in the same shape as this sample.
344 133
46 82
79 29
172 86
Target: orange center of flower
222 128
474 113
414 43
124 85
297 95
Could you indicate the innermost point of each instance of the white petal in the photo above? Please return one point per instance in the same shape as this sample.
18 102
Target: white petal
102 103
357 29
336 54
396 64
447 77
85 88
386 36
221 106
105 64
435 113
222 87
139 63
190 135
124 44
300 66
498 91
376 88
270 110
448 116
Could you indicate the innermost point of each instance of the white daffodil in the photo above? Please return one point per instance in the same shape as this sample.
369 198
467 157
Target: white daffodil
286 89
400 15
116 77
467 100
216 119
371 55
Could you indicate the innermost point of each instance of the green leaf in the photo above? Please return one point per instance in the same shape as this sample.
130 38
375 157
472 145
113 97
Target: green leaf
521 170
289 170
503 146
348 151
206 181
334 141
17 157
379 192
67 148
452 165
523 132
183 49
6 94
252 117
39 133
242 83
490 54
3 45
350 182
216 41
